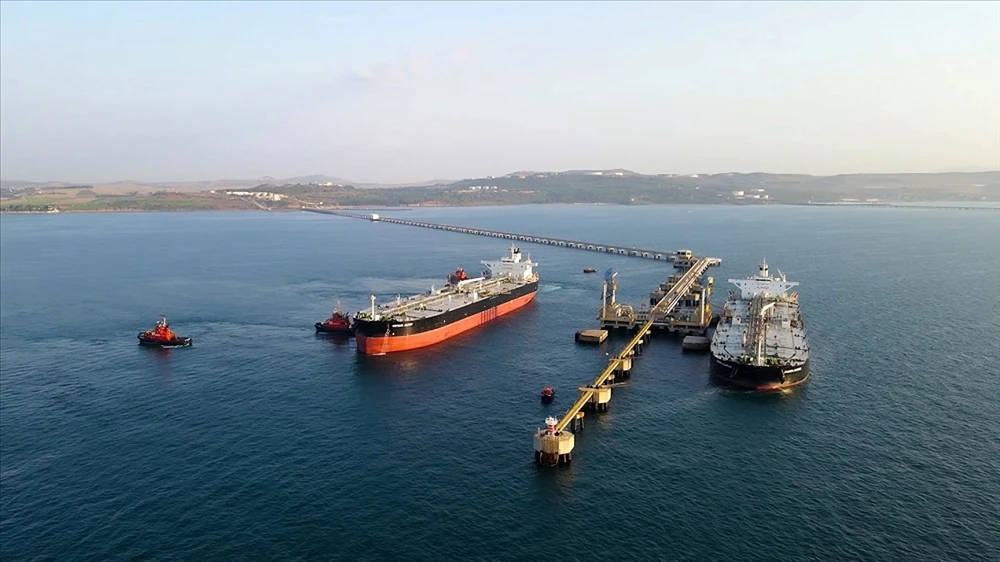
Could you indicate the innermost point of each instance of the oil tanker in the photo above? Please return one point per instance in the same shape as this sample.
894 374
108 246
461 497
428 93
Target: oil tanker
760 342
461 305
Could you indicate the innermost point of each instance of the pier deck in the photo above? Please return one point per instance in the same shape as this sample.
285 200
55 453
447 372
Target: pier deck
555 444
681 257
666 304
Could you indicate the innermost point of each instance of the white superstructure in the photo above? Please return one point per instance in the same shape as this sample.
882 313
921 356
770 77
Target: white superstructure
761 324
511 266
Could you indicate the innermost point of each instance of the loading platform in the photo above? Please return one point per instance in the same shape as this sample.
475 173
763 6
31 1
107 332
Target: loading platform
554 443
691 316
683 259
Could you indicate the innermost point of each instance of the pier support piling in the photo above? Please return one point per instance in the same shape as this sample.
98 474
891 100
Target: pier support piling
600 397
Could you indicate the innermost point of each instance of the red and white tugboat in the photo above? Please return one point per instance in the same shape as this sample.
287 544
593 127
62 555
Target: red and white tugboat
162 336
338 323
458 276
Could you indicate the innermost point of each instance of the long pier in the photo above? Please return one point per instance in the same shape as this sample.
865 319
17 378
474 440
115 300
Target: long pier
682 258
554 444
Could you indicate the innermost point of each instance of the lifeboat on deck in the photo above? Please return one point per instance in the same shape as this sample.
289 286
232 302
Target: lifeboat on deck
337 323
548 394
162 336
458 276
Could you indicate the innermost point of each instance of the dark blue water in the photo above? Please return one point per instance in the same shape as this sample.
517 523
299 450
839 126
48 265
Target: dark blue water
265 442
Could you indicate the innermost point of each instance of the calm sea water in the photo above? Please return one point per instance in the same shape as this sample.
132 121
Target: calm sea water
263 441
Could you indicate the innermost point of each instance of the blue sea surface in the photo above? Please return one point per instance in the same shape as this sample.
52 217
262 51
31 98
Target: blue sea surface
263 441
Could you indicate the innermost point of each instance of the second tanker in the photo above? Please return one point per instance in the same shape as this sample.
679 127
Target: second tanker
461 305
760 342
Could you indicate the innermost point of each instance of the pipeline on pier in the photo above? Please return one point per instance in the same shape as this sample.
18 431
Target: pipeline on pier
683 259
554 443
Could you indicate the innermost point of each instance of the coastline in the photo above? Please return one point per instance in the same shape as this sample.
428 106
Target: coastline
940 205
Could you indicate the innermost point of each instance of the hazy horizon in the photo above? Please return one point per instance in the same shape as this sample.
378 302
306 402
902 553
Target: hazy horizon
455 179
407 92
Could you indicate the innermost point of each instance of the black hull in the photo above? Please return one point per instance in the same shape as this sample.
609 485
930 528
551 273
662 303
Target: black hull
177 342
393 328
321 329
759 378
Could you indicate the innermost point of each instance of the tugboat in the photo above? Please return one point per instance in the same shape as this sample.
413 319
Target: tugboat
589 270
337 323
162 336
458 276
548 393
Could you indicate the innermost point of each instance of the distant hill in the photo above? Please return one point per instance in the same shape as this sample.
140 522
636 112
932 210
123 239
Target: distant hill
611 186
209 185
628 187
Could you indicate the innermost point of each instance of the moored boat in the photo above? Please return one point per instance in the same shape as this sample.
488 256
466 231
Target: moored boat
589 270
461 305
548 394
337 323
458 276
760 342
162 336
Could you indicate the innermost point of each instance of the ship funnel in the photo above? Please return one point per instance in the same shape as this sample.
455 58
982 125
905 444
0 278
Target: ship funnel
763 268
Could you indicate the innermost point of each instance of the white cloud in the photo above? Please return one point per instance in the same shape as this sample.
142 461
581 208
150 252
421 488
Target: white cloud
461 54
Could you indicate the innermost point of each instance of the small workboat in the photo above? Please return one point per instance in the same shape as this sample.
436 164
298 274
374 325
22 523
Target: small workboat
589 270
162 336
548 394
337 323
458 276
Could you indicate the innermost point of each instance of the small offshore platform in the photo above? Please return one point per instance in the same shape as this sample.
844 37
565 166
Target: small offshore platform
691 316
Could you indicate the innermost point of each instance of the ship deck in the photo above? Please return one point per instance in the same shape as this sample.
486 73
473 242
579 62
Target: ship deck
430 304
784 335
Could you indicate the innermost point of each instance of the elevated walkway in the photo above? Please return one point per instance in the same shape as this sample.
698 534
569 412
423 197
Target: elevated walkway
554 444
681 258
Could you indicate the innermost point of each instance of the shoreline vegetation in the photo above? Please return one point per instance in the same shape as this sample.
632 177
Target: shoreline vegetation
608 187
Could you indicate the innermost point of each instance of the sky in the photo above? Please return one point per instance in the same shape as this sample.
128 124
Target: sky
399 92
